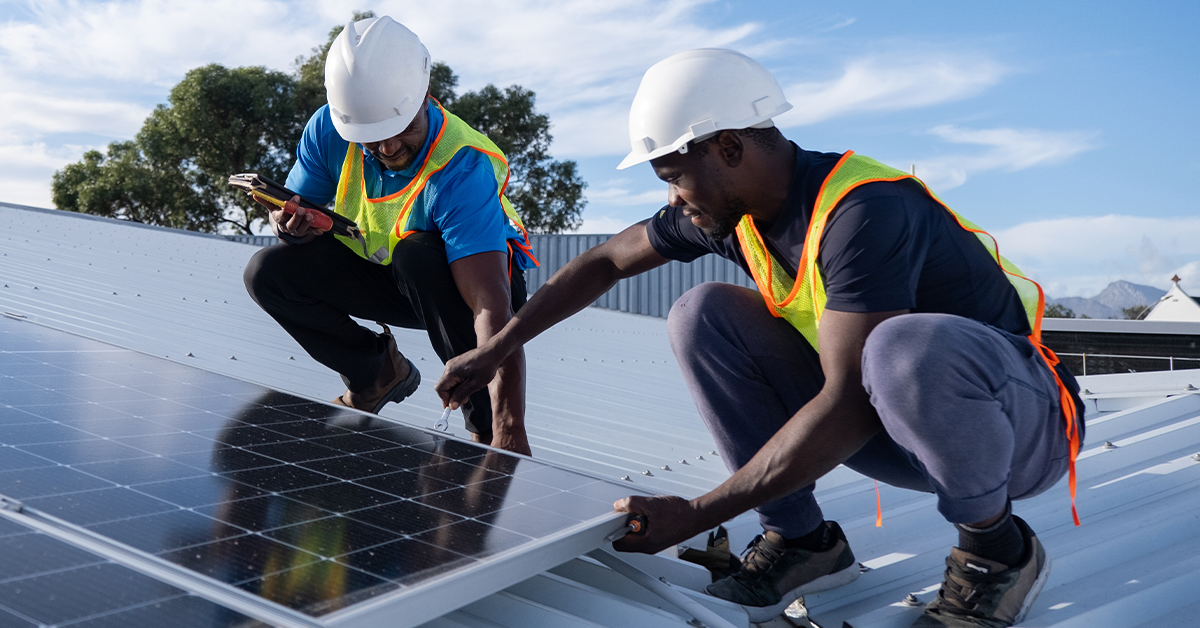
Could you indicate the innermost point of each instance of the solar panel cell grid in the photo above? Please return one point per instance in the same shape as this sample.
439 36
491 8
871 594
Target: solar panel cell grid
308 505
44 581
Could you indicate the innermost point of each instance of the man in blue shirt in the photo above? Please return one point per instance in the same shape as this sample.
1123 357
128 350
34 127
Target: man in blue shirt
442 251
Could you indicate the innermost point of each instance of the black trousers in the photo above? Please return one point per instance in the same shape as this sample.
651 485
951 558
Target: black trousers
313 289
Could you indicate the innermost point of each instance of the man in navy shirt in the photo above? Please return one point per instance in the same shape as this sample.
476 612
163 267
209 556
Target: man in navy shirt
443 250
884 336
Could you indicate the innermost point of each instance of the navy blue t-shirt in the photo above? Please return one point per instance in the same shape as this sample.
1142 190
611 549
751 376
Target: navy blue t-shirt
887 246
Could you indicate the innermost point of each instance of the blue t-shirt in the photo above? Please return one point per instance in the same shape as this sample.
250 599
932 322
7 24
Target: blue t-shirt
460 201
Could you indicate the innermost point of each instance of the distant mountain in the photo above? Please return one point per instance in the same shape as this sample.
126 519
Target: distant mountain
1108 304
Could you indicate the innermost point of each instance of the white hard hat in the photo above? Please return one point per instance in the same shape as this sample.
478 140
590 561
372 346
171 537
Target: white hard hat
376 77
696 93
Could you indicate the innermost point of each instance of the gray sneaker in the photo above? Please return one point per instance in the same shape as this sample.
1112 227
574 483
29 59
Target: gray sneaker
773 576
979 593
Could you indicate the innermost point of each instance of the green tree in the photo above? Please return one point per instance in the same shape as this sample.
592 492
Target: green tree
1054 310
1135 313
221 121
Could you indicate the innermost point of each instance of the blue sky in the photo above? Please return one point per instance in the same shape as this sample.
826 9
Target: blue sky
1067 129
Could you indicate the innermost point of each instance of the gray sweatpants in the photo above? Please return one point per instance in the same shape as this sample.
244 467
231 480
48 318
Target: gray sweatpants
969 412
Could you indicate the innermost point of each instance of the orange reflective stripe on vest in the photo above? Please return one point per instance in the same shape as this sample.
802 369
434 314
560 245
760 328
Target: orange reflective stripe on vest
801 301
387 220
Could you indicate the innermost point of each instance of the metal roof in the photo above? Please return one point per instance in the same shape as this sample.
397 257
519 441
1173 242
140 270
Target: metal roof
606 396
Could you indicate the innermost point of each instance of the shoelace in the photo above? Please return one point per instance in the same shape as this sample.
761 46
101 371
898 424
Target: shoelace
758 558
982 591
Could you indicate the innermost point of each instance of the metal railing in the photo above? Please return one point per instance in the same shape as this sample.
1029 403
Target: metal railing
1120 363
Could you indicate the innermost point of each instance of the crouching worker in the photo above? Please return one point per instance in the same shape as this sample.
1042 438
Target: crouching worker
884 334
442 249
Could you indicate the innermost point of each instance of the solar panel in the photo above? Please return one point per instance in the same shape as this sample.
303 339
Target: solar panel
44 580
329 514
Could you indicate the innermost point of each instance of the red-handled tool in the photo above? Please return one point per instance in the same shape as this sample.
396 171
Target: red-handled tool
634 524
271 192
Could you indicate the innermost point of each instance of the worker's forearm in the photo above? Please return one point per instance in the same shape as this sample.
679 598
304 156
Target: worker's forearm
823 434
574 287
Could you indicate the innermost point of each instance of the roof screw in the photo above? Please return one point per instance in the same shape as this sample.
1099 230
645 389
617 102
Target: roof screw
1108 445
1196 457
683 462
911 600
665 468
626 478
699 457
190 355
138 294
114 294
291 357
712 453
1086 391
863 568
647 473
233 357
695 622
1189 387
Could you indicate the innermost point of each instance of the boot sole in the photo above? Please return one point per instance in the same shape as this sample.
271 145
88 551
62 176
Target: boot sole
759 614
403 390
1027 603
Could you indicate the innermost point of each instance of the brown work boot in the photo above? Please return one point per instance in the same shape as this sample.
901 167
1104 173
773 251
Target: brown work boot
397 380
979 593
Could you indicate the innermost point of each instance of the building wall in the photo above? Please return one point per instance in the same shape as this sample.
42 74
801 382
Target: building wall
649 294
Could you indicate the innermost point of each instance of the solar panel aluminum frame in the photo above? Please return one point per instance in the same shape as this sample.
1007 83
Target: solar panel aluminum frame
432 598
214 591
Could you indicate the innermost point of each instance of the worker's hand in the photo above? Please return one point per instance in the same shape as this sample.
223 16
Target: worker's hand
511 439
466 374
669 521
293 219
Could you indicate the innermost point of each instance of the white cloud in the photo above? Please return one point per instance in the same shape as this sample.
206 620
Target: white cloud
1004 149
1080 256
604 224
26 170
891 82
651 199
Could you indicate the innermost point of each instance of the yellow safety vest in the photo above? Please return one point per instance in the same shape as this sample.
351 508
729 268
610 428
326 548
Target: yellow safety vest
386 221
802 301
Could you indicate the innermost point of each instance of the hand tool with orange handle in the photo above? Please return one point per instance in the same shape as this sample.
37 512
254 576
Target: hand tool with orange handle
271 192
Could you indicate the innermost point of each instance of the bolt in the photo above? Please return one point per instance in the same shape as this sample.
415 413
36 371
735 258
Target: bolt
911 600
665 468
1190 387
713 453
626 478
291 357
699 457
647 473
1086 391
683 462
233 357
1196 457
190 355
1108 445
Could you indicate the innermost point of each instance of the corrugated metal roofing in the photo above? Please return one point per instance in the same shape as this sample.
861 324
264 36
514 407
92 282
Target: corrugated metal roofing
605 396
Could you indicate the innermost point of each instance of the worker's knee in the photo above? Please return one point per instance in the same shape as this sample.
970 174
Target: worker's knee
261 272
909 351
706 308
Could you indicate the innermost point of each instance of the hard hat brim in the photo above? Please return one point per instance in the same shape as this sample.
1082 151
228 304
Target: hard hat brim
376 131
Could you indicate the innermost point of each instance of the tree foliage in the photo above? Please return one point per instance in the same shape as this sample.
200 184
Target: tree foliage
1054 310
221 121
1135 313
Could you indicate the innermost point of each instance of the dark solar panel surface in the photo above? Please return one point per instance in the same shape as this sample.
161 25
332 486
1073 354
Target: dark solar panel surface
302 503
45 581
